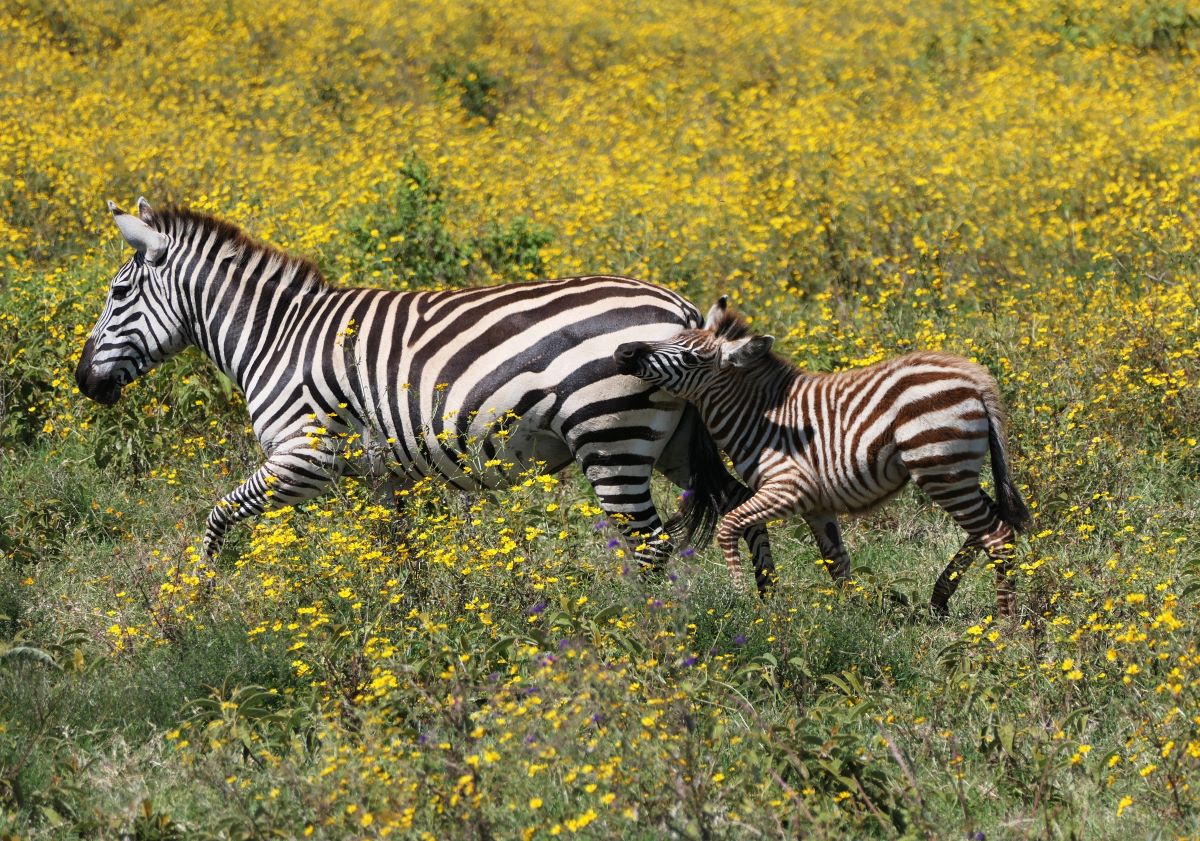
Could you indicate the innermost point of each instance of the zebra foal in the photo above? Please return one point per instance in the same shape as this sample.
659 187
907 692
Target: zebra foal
820 445
421 378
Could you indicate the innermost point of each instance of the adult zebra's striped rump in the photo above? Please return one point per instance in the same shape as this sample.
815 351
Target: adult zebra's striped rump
522 372
820 445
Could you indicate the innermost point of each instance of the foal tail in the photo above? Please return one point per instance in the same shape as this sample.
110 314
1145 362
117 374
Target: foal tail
1008 499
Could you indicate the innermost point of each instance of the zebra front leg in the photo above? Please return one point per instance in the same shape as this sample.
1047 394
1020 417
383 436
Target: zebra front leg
829 541
749 519
288 476
756 538
764 564
624 493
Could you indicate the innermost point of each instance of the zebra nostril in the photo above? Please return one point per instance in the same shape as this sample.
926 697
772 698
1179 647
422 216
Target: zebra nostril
627 356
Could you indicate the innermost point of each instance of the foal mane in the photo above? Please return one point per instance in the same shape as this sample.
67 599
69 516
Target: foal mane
733 326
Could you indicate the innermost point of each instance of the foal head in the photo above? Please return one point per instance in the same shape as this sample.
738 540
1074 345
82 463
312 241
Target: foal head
693 361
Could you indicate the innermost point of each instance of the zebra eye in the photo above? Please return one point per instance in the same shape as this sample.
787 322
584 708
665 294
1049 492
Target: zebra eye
690 358
122 292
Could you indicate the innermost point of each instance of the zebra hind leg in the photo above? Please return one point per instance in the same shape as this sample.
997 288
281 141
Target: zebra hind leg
960 496
949 580
285 478
998 544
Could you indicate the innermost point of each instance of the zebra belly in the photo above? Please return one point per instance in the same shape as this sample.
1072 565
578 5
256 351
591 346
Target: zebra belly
865 484
856 505
481 385
489 454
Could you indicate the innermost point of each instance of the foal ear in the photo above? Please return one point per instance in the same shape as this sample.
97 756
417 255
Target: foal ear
716 313
746 351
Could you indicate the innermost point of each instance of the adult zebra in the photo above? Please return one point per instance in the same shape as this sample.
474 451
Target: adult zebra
820 445
422 377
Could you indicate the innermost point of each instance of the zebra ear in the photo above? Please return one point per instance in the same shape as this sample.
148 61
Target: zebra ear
746 351
138 234
717 313
145 211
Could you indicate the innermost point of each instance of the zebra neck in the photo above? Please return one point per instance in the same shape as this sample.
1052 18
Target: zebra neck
245 320
738 410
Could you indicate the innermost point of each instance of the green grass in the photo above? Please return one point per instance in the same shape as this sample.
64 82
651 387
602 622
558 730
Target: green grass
805 690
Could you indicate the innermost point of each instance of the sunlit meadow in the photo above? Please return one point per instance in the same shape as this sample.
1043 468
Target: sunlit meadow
1015 182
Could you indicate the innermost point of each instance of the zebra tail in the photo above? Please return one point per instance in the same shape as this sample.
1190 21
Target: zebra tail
703 500
1012 507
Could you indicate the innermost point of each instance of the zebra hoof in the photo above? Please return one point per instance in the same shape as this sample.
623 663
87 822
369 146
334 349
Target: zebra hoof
765 582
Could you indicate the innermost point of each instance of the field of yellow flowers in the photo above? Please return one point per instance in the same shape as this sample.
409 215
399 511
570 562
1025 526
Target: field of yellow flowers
1017 182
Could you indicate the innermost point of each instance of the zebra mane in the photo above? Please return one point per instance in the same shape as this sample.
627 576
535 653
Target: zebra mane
183 223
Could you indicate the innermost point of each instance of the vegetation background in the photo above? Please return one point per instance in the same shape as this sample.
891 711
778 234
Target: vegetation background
1015 181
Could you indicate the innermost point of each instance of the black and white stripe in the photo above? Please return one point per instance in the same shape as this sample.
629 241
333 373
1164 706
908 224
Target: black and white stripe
820 445
409 384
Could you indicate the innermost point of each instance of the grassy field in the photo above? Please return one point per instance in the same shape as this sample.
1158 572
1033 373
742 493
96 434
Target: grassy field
1015 182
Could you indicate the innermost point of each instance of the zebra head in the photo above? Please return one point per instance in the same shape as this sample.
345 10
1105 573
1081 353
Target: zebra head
138 327
689 363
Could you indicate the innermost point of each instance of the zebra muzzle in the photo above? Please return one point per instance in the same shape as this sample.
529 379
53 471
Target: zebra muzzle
629 355
104 390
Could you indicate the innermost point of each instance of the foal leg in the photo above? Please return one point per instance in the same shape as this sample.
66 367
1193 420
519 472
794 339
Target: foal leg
766 504
962 498
829 540
764 564
734 493
756 539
